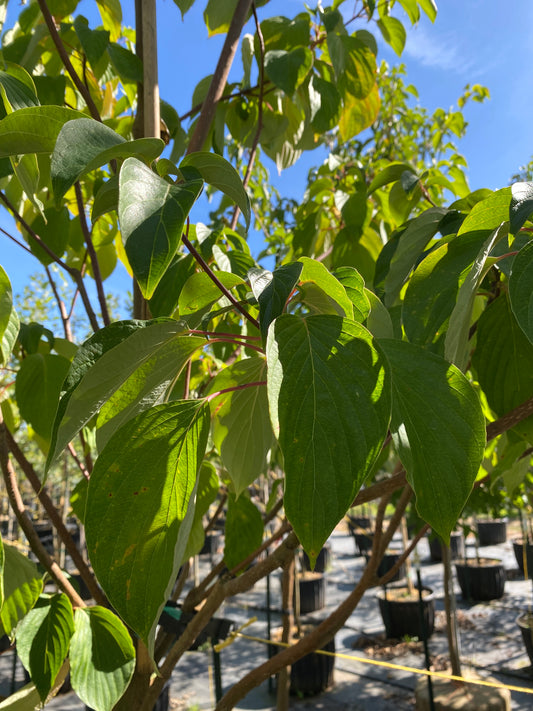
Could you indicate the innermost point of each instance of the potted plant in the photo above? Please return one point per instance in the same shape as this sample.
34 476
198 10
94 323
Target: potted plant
457 546
481 578
407 611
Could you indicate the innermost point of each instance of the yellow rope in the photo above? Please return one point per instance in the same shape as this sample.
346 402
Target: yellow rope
388 665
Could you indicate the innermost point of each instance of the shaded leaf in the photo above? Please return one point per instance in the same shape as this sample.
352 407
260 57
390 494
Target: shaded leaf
329 395
9 322
354 285
102 657
199 291
43 639
243 530
145 477
242 432
438 428
208 486
272 290
317 274
521 289
288 69
33 130
85 144
152 214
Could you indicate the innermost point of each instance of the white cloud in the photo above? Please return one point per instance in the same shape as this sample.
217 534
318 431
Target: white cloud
438 50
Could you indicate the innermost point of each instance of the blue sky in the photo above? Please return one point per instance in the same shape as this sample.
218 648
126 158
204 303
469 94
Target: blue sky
471 41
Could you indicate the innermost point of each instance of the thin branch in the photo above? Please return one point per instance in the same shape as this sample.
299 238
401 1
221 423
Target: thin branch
61 306
92 254
207 269
79 464
15 240
54 516
26 525
255 143
220 77
234 388
56 39
509 420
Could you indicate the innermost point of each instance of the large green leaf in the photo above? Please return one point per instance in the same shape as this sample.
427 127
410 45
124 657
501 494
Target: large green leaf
100 368
393 32
85 144
411 244
200 292
288 69
316 274
17 89
502 360
272 290
488 214
456 345
38 386
521 289
22 587
329 394
102 657
390 174
43 639
438 428
218 14
244 530
2 567
147 385
52 226
216 171
354 285
242 431
165 298
354 64
138 517
9 322
432 290
152 214
33 130
208 486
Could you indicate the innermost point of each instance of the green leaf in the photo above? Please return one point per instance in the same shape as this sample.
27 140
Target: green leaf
456 345
521 289
94 44
379 321
288 69
429 7
111 14
354 285
488 214
329 395
521 205
85 144
17 92
9 322
354 64
53 228
33 130
242 432
272 291
22 587
325 103
390 174
208 486
152 214
102 657
244 530
147 385
128 65
184 6
166 296
218 14
393 32
216 171
27 698
106 199
438 428
317 274
101 366
2 567
38 386
432 290
199 291
358 114
43 639
412 242
144 478
502 359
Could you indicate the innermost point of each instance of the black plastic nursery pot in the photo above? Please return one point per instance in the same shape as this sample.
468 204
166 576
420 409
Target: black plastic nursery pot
314 672
355 522
389 559
481 579
457 546
363 542
323 560
493 532
525 623
404 615
518 548
212 542
174 621
312 588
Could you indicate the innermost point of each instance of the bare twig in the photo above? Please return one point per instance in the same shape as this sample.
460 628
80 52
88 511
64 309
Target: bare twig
65 319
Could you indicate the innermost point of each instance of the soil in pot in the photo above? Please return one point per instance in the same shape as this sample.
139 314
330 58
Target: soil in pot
480 579
525 622
491 533
312 587
457 546
323 561
313 673
518 547
402 614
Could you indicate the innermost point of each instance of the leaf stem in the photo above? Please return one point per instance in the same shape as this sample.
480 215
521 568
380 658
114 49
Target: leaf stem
92 254
207 269
235 388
